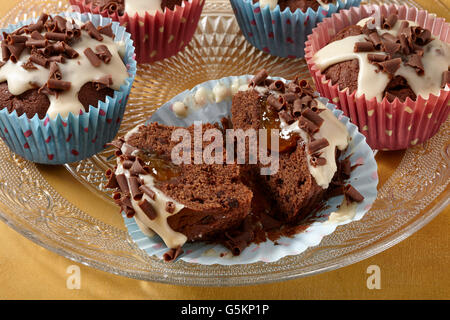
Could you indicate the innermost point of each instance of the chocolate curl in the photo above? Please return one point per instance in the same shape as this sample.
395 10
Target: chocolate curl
61 24
5 51
170 207
103 53
445 78
239 242
92 31
388 37
103 82
137 169
313 117
404 45
416 62
275 103
19 31
129 149
286 116
55 36
106 30
59 85
391 66
172 254
290 97
37 36
37 27
57 48
376 40
147 208
29 66
317 145
363 47
390 21
277 85
346 168
92 57
297 108
43 18
136 193
58 59
294 88
112 182
126 163
15 51
318 161
375 58
69 51
422 36
258 78
111 7
13 39
123 184
32 43
352 194
148 191
55 73
307 125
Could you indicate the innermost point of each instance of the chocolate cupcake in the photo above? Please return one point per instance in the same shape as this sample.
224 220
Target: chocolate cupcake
67 75
159 29
235 203
395 61
281 27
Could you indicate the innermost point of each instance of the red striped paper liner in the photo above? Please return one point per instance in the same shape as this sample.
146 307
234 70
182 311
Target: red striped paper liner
387 126
156 36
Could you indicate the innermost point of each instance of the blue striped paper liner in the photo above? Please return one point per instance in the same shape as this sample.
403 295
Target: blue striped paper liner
75 137
364 178
281 33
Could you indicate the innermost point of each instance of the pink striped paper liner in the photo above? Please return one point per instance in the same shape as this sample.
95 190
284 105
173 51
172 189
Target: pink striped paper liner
387 126
156 36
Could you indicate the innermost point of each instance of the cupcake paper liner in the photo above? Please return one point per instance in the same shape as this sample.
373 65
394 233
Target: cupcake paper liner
281 33
76 137
156 36
364 178
387 126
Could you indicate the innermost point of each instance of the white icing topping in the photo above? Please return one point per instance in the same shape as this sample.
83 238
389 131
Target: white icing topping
337 135
271 3
158 225
346 211
77 71
140 7
436 60
221 92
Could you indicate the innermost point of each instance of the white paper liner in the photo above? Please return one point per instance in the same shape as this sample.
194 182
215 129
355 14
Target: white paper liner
364 178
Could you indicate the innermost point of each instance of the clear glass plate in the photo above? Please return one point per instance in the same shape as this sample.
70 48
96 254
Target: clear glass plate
409 198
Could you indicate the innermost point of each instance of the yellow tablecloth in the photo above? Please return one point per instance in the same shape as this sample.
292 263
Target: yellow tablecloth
416 268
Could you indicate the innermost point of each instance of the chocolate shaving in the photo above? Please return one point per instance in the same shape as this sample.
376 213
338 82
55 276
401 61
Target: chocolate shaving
112 182
148 209
363 47
307 125
277 85
376 40
258 78
58 59
103 53
59 85
318 161
37 36
275 103
136 193
136 168
126 163
13 39
313 117
148 191
92 57
32 43
286 116
55 73
6 54
69 51
172 254
170 207
123 184
415 61
297 108
92 31
15 51
29 66
106 30
317 145
391 66
390 21
352 194
55 36
374 58
391 47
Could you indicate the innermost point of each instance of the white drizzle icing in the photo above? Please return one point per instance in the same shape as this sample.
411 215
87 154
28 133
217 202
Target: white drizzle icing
337 135
159 225
77 71
140 7
435 60
346 211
